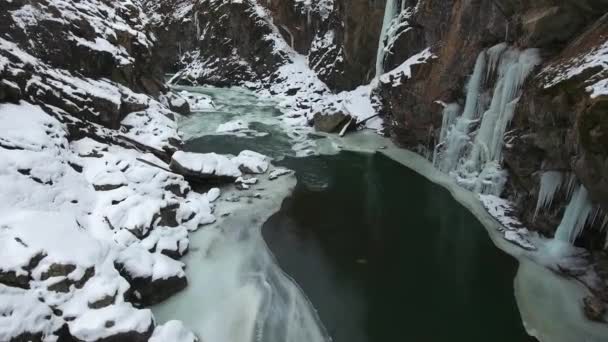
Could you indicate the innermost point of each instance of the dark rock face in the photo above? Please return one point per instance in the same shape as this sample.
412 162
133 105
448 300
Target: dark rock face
227 41
330 123
174 24
594 309
67 44
232 42
340 37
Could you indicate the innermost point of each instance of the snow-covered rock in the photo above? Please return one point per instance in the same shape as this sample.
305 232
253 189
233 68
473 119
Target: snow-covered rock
120 322
276 173
252 162
205 167
198 102
176 102
153 276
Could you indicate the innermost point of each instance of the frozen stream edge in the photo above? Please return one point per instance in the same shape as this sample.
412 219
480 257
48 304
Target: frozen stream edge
236 291
549 304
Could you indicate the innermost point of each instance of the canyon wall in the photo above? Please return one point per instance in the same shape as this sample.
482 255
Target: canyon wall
557 125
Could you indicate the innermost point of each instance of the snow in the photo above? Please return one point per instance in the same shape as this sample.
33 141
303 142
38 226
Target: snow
169 239
394 24
173 331
152 127
207 163
21 312
232 126
198 102
358 103
138 262
14 120
595 60
46 231
276 173
50 209
405 69
122 318
513 230
252 162
322 7
213 194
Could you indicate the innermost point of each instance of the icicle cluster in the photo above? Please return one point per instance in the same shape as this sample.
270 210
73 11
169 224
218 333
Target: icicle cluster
550 184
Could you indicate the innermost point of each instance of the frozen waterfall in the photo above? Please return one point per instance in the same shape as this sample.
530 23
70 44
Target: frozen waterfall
390 12
455 137
474 157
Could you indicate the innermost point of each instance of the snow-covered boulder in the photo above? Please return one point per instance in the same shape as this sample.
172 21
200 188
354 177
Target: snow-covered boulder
245 183
176 102
120 322
252 162
330 122
170 241
154 277
198 102
204 167
173 331
276 173
23 317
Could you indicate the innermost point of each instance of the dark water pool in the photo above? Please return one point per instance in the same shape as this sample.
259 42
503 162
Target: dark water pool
384 255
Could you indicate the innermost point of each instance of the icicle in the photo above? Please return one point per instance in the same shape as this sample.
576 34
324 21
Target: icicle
390 11
494 54
576 216
571 185
550 182
308 18
198 29
450 112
